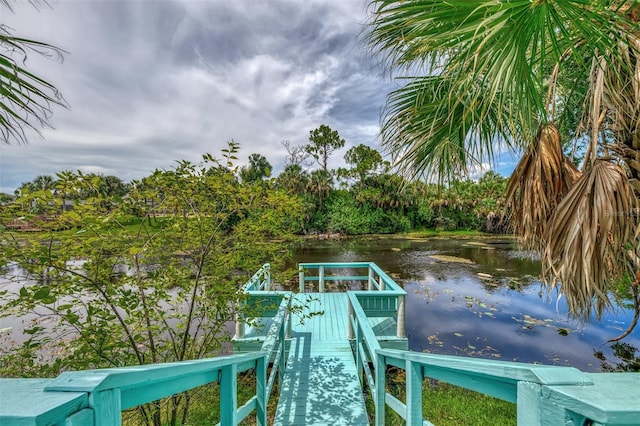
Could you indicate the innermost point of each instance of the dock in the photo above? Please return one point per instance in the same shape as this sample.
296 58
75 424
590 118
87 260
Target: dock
321 352
320 384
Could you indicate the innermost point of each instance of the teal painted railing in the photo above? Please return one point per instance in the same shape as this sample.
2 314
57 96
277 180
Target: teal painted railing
383 297
261 301
97 397
545 395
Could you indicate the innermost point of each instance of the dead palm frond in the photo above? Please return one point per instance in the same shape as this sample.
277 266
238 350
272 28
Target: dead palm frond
588 238
540 181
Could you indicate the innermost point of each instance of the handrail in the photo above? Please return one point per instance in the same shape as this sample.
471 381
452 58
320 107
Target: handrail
113 390
276 303
379 285
274 345
261 280
366 343
544 394
384 282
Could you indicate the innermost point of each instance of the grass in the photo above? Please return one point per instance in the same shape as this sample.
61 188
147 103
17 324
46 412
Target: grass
204 405
459 233
448 405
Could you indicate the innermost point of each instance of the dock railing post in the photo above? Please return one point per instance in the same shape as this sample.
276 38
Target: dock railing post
413 372
400 330
229 395
239 324
350 335
106 406
261 395
267 277
381 389
321 279
289 316
301 278
381 284
371 278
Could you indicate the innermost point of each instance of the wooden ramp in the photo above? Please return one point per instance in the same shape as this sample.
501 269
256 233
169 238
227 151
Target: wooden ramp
320 385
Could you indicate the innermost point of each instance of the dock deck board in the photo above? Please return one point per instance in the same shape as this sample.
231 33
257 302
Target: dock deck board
320 385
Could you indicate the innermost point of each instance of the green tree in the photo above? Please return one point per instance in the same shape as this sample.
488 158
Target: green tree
320 185
504 71
25 98
294 179
258 169
323 142
123 291
39 183
365 161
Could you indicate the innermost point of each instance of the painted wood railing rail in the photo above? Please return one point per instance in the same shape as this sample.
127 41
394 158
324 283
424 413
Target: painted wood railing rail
261 301
383 297
544 394
99 396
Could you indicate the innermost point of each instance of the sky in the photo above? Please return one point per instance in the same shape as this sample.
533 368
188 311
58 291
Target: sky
152 82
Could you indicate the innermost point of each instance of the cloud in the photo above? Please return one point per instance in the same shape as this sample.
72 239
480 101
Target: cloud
152 82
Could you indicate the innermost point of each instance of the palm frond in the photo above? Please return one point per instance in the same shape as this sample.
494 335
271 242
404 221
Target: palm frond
589 236
25 98
494 56
542 178
428 136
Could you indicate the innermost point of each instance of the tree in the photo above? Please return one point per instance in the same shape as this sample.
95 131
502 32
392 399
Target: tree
319 185
296 154
258 169
365 161
293 178
114 295
495 71
25 98
40 183
323 142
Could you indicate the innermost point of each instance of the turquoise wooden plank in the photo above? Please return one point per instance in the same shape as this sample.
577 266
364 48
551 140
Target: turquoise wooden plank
320 384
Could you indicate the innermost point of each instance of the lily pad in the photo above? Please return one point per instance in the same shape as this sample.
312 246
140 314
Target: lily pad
452 259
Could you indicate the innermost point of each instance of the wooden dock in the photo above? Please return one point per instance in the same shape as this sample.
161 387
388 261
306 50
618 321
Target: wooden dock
320 385
319 349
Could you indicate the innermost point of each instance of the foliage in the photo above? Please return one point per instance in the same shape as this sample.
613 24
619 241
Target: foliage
258 169
481 73
323 142
161 289
365 162
628 356
25 98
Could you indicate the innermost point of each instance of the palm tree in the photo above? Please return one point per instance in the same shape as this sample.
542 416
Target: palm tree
25 98
258 169
481 72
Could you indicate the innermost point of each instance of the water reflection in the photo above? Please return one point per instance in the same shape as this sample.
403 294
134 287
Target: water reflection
479 298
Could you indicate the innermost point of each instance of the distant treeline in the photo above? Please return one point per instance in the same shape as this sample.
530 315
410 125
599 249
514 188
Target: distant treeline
363 198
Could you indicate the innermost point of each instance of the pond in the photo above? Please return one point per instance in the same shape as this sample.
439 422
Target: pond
480 298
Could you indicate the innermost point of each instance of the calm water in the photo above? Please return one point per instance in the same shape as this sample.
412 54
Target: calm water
452 310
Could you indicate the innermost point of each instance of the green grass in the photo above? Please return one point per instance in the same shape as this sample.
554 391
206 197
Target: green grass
448 405
445 404
458 233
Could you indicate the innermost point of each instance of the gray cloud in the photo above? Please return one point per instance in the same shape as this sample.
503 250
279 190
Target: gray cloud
152 82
